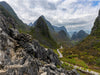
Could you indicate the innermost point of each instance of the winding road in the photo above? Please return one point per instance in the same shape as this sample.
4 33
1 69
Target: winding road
60 55
78 67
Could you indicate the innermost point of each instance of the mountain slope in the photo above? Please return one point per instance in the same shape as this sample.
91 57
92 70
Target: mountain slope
63 36
41 32
20 25
51 29
8 8
96 27
59 36
89 49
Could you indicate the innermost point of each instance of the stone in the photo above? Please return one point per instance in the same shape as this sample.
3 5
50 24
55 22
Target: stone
20 55
45 73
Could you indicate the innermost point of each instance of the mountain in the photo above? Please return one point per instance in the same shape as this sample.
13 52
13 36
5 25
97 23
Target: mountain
30 24
47 22
96 28
41 32
8 8
63 36
74 36
91 44
57 29
88 49
21 55
48 28
20 25
79 36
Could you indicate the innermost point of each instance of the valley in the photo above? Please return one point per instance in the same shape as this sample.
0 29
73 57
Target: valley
45 46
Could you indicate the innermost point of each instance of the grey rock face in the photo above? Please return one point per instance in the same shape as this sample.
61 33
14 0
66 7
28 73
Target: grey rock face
21 56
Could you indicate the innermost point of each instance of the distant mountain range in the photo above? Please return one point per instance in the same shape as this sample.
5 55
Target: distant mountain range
58 29
30 24
51 27
78 36
58 34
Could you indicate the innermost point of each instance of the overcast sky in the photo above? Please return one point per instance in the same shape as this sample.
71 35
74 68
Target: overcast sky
73 14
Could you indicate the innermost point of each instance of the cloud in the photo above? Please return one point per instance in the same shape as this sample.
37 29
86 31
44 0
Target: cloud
73 14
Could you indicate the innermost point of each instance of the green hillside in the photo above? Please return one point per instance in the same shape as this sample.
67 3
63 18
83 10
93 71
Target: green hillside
42 34
89 49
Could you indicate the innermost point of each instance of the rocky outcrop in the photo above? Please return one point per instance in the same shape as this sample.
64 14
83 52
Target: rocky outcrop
20 55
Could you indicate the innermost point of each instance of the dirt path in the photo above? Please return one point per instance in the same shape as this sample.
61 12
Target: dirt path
60 55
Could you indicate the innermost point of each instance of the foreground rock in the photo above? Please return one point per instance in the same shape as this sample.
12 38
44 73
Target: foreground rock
20 55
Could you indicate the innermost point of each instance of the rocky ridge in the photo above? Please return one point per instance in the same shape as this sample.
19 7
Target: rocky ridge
20 55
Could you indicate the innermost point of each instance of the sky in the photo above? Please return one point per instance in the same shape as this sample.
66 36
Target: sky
75 15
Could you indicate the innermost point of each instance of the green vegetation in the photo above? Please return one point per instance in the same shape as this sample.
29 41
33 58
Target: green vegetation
74 42
98 62
4 12
55 50
81 73
96 28
66 66
58 66
42 34
14 19
87 51
75 61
